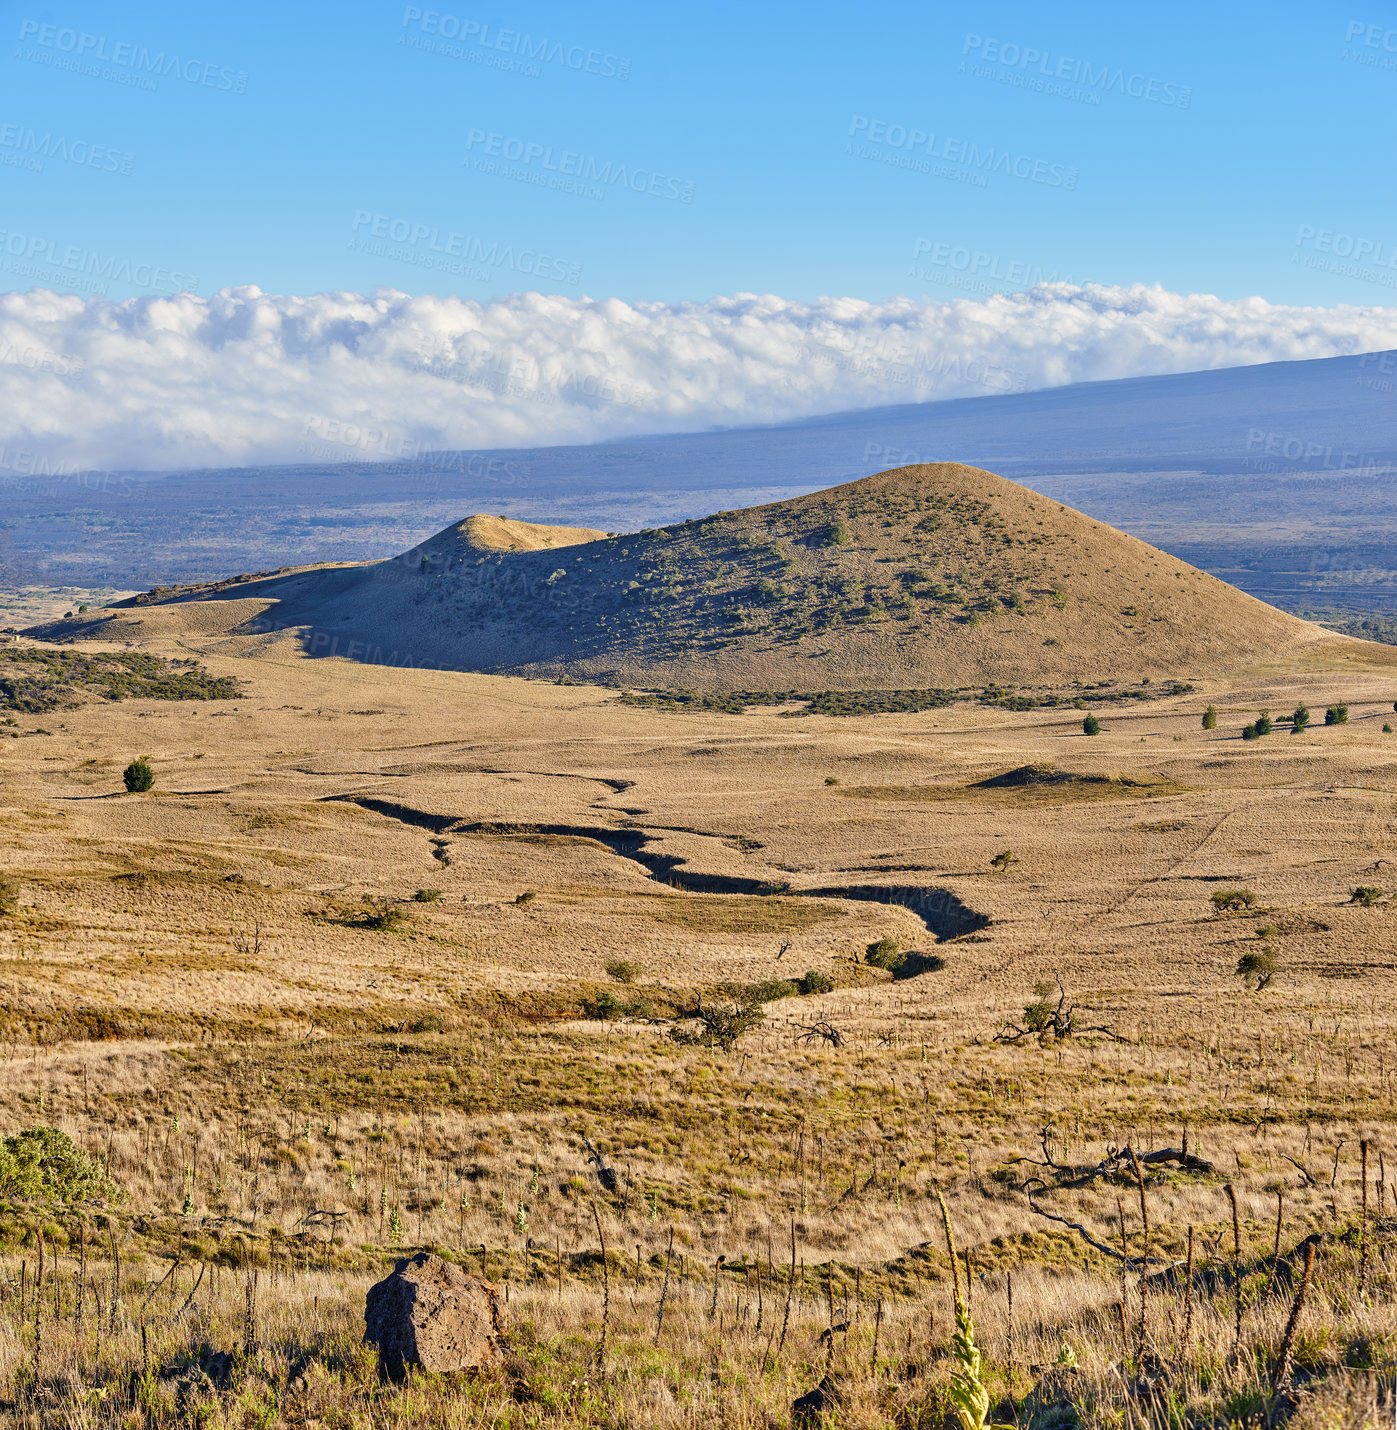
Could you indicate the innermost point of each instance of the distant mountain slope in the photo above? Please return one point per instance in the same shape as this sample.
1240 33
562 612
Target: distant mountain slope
1303 444
925 576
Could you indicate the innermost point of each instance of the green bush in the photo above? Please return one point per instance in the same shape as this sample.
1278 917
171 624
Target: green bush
1336 715
1249 732
837 533
815 982
1233 900
44 1163
9 896
1263 723
1261 964
527 897
1091 725
602 1005
1299 720
1366 895
138 777
622 970
886 953
1210 718
426 896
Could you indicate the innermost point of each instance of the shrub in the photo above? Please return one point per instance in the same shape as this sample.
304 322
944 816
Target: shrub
1003 860
42 1162
837 533
720 1025
1336 715
622 970
1210 718
814 982
1091 725
1233 900
9 896
1366 895
831 780
138 777
1299 720
1386 727
527 897
886 953
380 912
1261 964
1263 723
1249 732
758 993
426 896
602 1005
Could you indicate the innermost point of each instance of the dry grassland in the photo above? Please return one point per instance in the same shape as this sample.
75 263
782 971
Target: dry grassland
289 1080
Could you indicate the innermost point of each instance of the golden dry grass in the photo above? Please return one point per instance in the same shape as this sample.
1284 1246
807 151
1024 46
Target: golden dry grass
190 990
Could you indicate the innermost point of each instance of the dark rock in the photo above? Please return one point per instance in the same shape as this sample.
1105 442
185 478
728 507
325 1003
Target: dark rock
812 1407
431 1314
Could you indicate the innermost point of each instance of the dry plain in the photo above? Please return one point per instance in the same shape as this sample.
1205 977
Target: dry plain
285 1095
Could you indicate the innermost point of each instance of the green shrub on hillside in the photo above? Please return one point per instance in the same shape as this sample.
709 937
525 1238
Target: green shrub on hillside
42 1163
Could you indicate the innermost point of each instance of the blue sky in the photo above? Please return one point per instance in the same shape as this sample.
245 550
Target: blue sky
866 151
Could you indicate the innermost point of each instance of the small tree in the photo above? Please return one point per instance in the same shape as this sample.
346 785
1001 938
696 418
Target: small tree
815 982
1299 720
1249 732
138 776
1003 860
1365 895
886 953
1210 718
621 969
1091 725
1336 715
1233 900
1263 723
1261 964
720 1025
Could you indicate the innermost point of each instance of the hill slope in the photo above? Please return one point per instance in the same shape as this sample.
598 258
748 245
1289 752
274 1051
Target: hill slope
927 576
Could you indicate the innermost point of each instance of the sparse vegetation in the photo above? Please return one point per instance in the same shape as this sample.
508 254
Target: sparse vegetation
138 776
9 896
35 679
1261 964
1233 900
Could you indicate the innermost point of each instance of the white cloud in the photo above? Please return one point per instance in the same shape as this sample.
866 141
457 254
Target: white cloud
249 377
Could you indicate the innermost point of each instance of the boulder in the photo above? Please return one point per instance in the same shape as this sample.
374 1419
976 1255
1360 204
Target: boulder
431 1314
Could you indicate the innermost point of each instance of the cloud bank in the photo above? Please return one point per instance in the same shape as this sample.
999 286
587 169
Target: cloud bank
246 377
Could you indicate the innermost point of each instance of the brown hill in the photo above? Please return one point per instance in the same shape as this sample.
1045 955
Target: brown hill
938 575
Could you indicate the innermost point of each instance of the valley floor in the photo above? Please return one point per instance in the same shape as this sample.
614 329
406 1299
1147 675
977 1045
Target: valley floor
383 950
